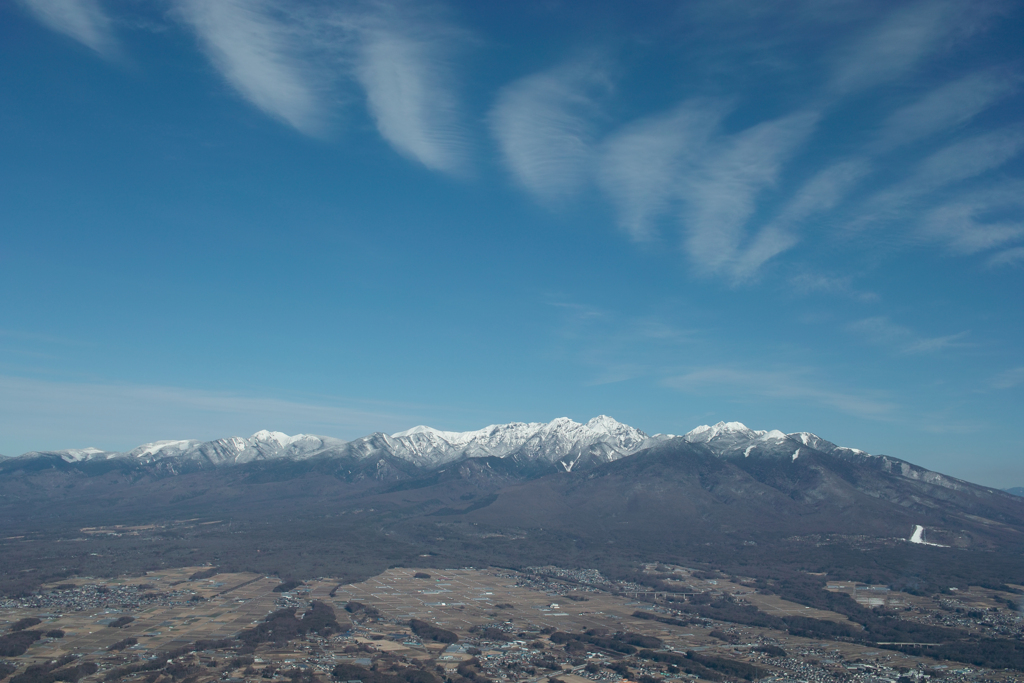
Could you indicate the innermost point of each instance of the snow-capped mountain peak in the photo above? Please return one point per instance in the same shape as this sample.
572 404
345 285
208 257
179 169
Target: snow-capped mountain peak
722 431
281 438
705 433
735 439
730 431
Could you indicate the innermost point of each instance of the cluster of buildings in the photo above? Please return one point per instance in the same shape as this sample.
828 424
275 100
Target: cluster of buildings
76 598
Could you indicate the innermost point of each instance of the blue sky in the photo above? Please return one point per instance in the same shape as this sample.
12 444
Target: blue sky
338 218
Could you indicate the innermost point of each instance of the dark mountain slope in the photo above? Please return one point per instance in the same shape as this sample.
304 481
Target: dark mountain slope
343 515
683 491
678 488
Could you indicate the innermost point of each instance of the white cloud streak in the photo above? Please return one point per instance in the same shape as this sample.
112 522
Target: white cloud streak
819 194
824 190
948 106
641 165
408 90
966 226
543 127
882 331
957 226
721 196
815 283
679 163
259 55
290 62
766 244
1007 257
895 46
676 162
83 20
952 164
968 158
1008 379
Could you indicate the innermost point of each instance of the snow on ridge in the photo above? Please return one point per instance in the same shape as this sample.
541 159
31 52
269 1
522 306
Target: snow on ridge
282 439
79 454
549 441
731 431
735 439
418 429
605 424
148 449
706 433
562 440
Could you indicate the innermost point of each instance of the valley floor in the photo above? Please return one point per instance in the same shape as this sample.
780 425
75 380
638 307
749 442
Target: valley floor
531 626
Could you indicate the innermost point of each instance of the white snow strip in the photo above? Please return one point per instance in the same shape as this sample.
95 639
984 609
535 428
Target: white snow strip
746 453
796 454
157 446
918 537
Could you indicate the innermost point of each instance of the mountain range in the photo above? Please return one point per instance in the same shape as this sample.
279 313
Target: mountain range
562 442
602 439
521 492
534 448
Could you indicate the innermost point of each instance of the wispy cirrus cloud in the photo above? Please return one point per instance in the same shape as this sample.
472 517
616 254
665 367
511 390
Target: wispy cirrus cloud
721 196
83 20
824 190
1008 379
673 166
968 158
544 127
294 62
408 81
899 43
966 222
959 228
727 192
795 385
821 193
807 283
948 106
957 162
677 162
1007 257
260 54
882 331
642 165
